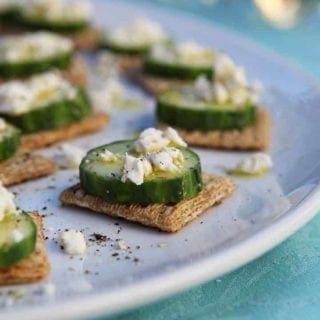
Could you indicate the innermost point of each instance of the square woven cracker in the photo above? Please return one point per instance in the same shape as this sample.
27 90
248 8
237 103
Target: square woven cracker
45 138
87 39
254 137
169 218
31 269
25 167
155 85
77 73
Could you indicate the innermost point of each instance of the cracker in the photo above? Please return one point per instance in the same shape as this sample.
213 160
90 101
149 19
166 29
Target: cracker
31 269
24 167
169 218
129 63
87 39
155 85
254 137
45 138
77 73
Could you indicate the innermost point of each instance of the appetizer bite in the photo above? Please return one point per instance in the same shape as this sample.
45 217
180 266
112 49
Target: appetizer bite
19 167
23 257
48 109
220 113
155 180
32 53
130 42
72 18
171 64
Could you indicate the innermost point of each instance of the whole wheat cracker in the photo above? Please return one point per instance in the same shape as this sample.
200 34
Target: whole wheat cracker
154 84
77 73
169 218
254 137
24 167
129 63
87 39
44 138
31 269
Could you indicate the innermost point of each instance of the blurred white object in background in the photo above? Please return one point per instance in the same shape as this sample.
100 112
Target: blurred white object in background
281 13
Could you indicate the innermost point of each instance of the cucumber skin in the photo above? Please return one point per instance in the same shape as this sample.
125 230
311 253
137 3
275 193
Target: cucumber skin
20 250
54 115
131 51
62 27
24 69
204 119
9 144
158 190
176 71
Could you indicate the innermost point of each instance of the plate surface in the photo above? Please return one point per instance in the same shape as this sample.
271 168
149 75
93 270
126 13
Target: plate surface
261 213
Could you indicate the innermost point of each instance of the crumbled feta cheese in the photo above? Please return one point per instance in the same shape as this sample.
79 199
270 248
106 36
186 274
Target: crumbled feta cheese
16 235
203 88
17 97
191 52
239 96
32 47
73 242
162 161
223 66
121 245
71 156
108 156
183 53
255 164
173 136
3 125
58 10
150 140
140 32
155 154
7 205
220 93
176 155
135 169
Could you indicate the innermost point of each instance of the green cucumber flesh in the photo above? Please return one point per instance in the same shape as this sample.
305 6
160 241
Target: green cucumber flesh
124 50
9 142
36 23
52 116
10 70
11 250
175 109
104 179
176 70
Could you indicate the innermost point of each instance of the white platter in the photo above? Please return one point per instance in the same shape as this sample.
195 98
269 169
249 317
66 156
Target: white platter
262 212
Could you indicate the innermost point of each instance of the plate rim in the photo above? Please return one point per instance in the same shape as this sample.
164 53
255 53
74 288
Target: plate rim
208 268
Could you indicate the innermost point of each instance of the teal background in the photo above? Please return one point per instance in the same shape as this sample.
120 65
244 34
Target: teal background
284 283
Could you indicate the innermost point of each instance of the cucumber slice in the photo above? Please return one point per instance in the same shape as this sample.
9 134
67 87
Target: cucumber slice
104 179
9 142
27 68
39 23
53 115
126 50
175 70
12 250
176 109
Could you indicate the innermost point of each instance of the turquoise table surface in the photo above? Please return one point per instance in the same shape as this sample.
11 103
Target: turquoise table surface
284 283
